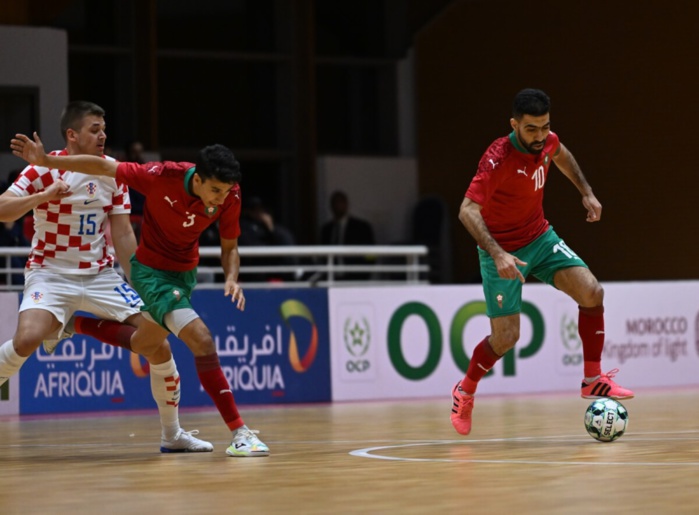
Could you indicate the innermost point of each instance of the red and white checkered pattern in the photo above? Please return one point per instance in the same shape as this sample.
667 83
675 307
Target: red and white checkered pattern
69 234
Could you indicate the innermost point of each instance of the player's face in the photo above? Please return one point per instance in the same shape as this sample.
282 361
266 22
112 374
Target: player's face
90 139
532 131
211 192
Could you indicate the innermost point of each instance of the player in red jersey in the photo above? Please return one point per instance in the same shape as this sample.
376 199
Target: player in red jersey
70 267
182 200
503 211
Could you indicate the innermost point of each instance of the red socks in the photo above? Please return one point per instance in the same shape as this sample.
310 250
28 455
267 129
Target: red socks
216 385
591 330
482 361
107 331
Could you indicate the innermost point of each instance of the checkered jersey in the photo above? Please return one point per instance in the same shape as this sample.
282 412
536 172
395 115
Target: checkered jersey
69 234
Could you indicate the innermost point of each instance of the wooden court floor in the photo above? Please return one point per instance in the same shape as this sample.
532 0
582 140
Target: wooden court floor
526 454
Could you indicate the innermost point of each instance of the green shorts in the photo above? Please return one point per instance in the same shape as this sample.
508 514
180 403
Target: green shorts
162 291
545 256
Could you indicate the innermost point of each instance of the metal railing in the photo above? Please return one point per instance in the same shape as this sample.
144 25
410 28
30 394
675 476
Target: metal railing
299 266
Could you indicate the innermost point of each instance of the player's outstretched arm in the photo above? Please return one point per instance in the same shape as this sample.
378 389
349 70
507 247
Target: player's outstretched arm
32 151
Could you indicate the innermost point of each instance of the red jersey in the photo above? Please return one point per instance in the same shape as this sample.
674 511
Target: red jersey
173 218
509 185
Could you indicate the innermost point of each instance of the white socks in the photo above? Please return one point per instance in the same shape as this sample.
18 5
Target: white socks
165 387
10 361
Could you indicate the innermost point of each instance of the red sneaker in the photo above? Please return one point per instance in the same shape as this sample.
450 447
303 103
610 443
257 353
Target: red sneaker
461 410
605 387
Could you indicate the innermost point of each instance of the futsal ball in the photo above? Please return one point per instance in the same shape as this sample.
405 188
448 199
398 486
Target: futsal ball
606 419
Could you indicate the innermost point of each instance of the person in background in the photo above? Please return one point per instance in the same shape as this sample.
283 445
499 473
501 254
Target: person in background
503 211
12 235
259 229
345 229
133 153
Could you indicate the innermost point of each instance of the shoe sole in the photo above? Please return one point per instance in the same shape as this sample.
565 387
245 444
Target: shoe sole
256 454
616 398
168 451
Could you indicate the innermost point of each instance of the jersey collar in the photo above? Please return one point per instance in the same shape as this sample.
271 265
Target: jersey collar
188 179
515 143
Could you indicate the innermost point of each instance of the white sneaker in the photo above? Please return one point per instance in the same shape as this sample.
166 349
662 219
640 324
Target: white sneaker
246 444
68 331
185 441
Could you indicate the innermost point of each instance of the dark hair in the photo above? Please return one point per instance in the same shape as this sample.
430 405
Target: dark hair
338 195
529 101
218 162
74 112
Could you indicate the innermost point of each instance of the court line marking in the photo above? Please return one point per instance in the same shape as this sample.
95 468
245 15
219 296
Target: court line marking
368 452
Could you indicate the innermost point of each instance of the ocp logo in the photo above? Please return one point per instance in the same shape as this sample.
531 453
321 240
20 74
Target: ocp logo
357 336
291 309
572 355
462 317
569 333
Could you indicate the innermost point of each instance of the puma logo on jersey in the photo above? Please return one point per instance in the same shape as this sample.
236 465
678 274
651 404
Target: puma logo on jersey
152 169
523 172
172 202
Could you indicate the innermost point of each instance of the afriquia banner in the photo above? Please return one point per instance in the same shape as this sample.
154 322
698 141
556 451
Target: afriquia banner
276 351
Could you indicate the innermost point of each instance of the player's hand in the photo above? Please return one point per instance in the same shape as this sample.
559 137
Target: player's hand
507 266
594 208
234 289
57 191
31 151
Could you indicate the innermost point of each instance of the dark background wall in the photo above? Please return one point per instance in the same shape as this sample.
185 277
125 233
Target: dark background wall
279 81
623 80
284 81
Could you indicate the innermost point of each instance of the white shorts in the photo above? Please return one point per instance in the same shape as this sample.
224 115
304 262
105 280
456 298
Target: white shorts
105 295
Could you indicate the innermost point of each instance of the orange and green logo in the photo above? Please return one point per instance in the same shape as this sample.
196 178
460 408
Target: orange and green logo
291 309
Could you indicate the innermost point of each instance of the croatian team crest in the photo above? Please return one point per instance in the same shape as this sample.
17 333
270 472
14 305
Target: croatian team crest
91 188
36 296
